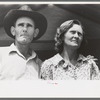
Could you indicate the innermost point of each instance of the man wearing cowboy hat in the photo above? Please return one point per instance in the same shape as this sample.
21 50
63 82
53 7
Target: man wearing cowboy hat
19 61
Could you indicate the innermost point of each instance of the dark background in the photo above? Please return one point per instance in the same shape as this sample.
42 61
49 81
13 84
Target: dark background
88 14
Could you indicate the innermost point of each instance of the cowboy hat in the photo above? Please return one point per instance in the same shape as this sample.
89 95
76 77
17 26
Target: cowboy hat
13 15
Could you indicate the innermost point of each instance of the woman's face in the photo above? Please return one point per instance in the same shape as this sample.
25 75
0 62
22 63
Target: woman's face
74 36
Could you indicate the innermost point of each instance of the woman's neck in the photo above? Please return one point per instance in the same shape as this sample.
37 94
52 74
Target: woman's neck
70 54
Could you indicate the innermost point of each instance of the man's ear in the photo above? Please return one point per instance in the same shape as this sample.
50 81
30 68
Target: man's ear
36 32
12 29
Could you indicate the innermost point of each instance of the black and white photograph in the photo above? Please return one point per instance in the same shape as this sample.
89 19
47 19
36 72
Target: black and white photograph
50 49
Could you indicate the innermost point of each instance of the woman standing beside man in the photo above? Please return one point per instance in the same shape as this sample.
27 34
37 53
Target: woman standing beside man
69 63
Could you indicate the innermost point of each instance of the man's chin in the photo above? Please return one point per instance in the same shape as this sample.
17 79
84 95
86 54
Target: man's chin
25 42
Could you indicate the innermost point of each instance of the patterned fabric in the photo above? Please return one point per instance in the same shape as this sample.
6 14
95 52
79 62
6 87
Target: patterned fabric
56 68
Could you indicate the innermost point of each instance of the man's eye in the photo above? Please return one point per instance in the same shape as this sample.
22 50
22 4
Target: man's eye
21 24
29 25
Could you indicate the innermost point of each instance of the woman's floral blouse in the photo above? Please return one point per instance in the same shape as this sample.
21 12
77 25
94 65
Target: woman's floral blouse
56 68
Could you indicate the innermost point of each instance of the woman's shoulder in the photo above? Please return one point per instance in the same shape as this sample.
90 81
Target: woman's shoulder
94 69
47 67
88 58
53 60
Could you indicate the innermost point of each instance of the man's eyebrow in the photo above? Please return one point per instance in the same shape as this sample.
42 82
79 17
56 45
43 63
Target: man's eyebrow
20 23
28 24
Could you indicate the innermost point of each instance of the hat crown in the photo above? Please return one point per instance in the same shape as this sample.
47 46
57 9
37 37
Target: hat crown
25 7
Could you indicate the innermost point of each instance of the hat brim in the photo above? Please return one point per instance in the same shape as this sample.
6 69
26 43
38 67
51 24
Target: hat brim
39 19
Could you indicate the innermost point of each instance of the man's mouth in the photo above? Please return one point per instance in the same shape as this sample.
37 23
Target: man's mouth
23 35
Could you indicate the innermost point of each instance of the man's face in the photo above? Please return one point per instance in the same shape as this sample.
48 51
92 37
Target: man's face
24 30
74 36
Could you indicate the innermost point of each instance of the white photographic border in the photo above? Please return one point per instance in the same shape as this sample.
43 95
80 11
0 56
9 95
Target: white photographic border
49 89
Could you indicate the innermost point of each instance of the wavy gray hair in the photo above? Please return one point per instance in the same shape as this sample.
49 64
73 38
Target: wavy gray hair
64 27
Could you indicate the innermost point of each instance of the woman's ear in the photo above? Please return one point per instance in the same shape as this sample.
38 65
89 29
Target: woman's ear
12 29
36 32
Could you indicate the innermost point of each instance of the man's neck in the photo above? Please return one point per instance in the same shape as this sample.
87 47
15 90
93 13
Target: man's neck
24 50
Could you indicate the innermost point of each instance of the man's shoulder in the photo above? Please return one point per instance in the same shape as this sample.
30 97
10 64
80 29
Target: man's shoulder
4 49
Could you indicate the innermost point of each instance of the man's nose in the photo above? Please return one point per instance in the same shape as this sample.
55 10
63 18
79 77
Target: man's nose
25 28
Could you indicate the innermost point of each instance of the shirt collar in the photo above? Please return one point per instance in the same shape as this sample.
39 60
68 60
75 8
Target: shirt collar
14 49
85 59
59 59
81 58
60 62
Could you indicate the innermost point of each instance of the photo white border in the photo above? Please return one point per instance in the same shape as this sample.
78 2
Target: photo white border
49 89
48 2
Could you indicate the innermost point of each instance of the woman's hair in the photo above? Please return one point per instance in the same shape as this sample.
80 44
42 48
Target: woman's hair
60 34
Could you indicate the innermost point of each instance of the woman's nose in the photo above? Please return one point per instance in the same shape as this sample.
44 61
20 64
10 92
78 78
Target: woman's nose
76 34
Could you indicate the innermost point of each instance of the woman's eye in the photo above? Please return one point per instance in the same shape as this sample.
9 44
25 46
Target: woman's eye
80 34
73 32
